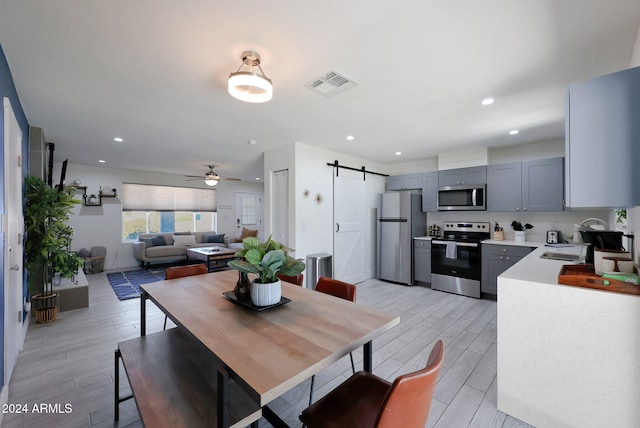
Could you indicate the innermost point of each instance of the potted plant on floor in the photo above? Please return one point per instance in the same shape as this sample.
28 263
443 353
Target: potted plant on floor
48 244
266 259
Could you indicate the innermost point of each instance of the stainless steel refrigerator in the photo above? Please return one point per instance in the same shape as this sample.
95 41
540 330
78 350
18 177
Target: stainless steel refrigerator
400 219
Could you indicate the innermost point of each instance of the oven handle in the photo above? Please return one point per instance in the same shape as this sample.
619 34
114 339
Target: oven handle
458 244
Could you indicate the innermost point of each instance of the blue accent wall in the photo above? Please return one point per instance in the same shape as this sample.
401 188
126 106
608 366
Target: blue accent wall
8 89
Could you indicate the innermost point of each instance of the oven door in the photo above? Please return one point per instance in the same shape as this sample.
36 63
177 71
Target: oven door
463 261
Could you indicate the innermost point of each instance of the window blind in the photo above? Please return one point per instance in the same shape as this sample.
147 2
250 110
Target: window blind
149 197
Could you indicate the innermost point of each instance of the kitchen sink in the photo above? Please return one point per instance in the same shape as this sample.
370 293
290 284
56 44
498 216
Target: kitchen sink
560 256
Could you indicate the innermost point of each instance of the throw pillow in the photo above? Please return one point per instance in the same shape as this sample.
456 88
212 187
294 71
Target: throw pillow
158 241
148 242
215 239
184 240
247 233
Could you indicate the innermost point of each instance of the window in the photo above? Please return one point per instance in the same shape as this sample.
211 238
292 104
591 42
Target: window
152 209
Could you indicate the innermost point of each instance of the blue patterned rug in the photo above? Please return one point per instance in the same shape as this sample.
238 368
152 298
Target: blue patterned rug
126 285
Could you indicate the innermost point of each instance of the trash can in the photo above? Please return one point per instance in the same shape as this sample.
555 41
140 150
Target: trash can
318 265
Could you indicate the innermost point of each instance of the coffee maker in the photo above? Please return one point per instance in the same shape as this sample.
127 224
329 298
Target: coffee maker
601 239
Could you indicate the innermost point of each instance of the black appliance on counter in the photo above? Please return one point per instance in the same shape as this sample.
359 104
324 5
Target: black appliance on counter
455 258
601 239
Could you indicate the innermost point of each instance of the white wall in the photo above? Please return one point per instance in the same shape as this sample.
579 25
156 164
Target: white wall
102 226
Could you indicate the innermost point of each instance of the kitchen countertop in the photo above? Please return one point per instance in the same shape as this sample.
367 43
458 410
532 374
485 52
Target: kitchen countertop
513 243
559 346
425 238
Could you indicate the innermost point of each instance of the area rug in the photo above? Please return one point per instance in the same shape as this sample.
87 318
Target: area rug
126 285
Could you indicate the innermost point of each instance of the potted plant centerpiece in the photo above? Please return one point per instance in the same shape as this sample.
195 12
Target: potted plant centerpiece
48 243
266 259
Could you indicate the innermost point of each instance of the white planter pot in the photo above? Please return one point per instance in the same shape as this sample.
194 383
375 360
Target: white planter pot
266 294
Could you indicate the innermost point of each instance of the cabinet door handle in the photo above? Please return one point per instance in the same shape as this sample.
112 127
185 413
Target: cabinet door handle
508 259
501 258
524 209
518 209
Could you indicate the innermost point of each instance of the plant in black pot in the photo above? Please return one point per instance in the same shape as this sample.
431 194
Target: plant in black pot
48 243
266 259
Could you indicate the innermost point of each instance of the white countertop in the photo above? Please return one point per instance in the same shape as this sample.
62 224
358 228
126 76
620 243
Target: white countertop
534 269
424 238
530 244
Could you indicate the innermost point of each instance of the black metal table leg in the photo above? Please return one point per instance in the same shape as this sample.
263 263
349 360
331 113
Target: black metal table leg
223 398
116 382
368 357
143 312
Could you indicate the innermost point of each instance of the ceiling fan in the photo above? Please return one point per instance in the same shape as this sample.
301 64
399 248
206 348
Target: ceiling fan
210 178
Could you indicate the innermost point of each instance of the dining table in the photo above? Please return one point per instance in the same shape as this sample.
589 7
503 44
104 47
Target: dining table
268 351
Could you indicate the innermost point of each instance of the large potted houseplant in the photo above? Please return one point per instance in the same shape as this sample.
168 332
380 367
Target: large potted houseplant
48 243
266 260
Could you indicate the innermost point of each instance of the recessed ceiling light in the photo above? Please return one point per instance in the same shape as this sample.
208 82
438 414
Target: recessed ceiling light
398 153
101 160
513 132
118 140
350 137
487 101
252 142
258 178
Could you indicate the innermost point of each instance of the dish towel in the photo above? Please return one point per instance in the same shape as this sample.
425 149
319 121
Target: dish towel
451 252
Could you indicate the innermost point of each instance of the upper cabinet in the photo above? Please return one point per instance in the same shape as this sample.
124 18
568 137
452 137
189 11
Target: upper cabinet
430 191
534 186
405 182
602 141
460 176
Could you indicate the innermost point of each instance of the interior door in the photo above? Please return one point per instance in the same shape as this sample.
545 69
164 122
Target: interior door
355 209
248 212
13 226
280 217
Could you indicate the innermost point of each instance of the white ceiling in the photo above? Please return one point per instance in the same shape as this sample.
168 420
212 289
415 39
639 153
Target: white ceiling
154 72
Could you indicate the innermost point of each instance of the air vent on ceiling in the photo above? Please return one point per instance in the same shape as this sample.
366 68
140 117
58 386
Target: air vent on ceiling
331 84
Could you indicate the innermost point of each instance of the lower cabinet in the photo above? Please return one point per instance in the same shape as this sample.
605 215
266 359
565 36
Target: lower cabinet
422 260
495 260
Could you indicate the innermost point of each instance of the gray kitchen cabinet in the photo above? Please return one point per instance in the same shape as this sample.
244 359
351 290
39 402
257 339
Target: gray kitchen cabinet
422 260
495 260
430 191
602 131
534 186
460 176
405 182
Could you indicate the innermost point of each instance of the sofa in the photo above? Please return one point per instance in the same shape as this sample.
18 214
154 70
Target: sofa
166 247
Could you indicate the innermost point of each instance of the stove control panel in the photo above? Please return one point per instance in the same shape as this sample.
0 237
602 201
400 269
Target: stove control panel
466 226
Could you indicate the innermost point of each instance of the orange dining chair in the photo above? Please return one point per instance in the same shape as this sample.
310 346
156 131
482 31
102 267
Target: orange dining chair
182 271
297 280
342 290
367 401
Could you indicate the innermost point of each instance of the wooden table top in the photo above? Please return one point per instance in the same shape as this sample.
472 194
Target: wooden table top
271 351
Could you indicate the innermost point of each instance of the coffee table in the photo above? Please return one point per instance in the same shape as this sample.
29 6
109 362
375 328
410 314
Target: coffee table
214 257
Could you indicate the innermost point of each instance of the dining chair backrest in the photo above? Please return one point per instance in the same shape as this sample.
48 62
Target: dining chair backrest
181 271
297 280
408 402
336 288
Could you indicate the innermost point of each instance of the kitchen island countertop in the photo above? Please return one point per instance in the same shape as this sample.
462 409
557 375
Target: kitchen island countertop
567 356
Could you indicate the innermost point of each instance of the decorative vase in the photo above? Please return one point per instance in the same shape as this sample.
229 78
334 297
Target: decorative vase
520 236
266 294
243 287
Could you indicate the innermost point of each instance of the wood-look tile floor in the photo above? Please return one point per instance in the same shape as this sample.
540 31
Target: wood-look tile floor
71 361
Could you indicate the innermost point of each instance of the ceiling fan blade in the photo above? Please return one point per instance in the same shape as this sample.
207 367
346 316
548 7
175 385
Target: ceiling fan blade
194 176
229 179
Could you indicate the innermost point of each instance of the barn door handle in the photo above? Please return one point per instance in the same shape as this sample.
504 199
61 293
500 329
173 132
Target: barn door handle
15 267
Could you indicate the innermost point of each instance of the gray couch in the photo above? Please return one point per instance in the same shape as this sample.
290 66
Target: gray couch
165 247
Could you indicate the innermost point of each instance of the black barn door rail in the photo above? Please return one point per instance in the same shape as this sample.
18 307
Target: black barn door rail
337 166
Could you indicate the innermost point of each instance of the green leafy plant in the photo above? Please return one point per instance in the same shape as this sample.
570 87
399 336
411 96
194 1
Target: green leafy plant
48 236
266 259
621 215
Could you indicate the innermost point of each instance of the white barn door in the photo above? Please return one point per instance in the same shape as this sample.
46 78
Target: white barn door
354 243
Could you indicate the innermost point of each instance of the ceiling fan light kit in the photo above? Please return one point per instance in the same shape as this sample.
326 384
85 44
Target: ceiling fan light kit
249 85
211 179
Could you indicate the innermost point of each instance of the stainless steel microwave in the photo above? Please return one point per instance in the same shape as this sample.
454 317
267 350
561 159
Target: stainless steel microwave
466 197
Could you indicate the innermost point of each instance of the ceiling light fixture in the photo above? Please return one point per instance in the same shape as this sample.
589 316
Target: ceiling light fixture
487 101
398 153
250 86
350 137
101 161
514 132
118 140
211 179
